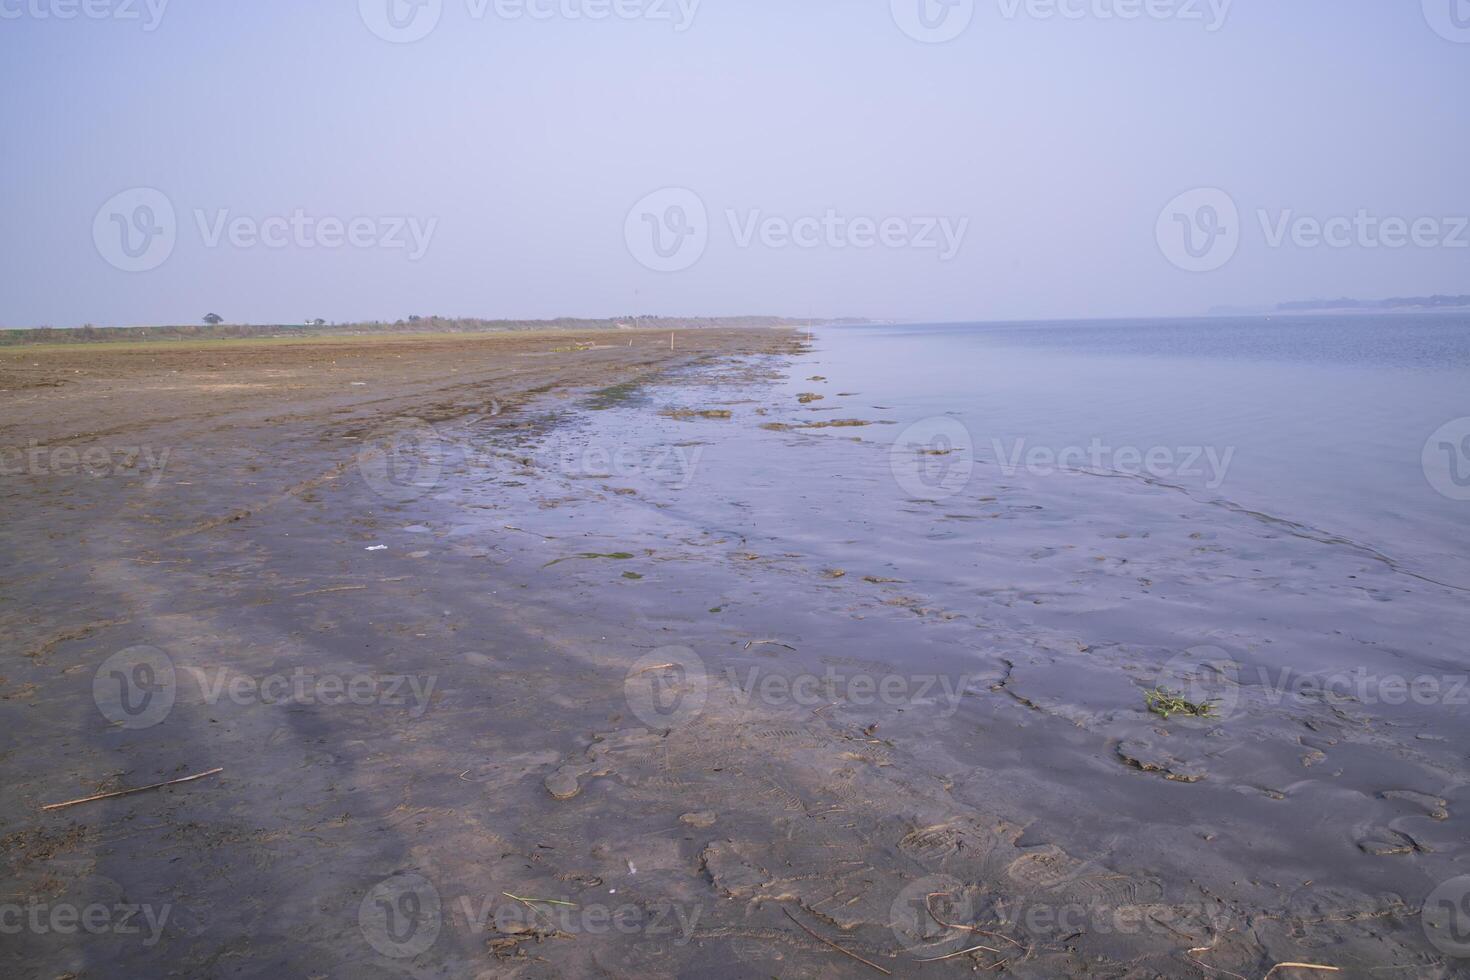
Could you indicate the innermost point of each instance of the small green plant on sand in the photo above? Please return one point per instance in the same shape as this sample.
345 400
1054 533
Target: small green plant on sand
1164 702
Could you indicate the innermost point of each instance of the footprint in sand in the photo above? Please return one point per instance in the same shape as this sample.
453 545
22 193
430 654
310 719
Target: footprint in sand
1147 757
1434 807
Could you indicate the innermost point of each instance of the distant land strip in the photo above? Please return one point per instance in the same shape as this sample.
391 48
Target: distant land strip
1394 303
412 325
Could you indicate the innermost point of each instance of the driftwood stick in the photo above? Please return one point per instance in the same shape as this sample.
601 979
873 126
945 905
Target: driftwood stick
828 942
130 792
1301 966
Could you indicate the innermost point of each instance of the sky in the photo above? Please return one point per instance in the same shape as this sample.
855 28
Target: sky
278 161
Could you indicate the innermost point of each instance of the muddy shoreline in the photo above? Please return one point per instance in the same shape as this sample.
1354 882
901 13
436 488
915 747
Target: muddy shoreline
492 699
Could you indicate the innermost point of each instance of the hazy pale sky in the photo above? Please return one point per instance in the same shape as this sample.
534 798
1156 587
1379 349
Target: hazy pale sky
917 159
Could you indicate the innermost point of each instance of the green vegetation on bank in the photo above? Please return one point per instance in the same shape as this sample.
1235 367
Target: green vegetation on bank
1164 702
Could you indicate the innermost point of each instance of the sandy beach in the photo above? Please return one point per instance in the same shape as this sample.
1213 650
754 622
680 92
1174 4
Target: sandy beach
491 693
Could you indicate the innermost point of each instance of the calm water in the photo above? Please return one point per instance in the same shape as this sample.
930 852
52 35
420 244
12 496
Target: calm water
1320 420
1274 564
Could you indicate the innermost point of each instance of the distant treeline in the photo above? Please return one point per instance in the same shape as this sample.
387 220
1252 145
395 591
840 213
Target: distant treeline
1396 303
425 324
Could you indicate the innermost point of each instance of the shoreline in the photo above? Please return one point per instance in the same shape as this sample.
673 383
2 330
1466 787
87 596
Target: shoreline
568 721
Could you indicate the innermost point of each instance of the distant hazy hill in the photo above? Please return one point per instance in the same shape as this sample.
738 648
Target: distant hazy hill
427 324
1396 303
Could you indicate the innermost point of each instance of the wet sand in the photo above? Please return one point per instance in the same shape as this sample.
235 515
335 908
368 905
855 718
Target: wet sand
519 660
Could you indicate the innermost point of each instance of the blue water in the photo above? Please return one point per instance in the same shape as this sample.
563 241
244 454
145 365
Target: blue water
1323 420
1300 589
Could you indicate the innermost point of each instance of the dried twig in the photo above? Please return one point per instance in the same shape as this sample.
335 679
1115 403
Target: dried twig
952 925
542 901
531 904
828 942
1214 969
130 792
1300 966
335 588
950 956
